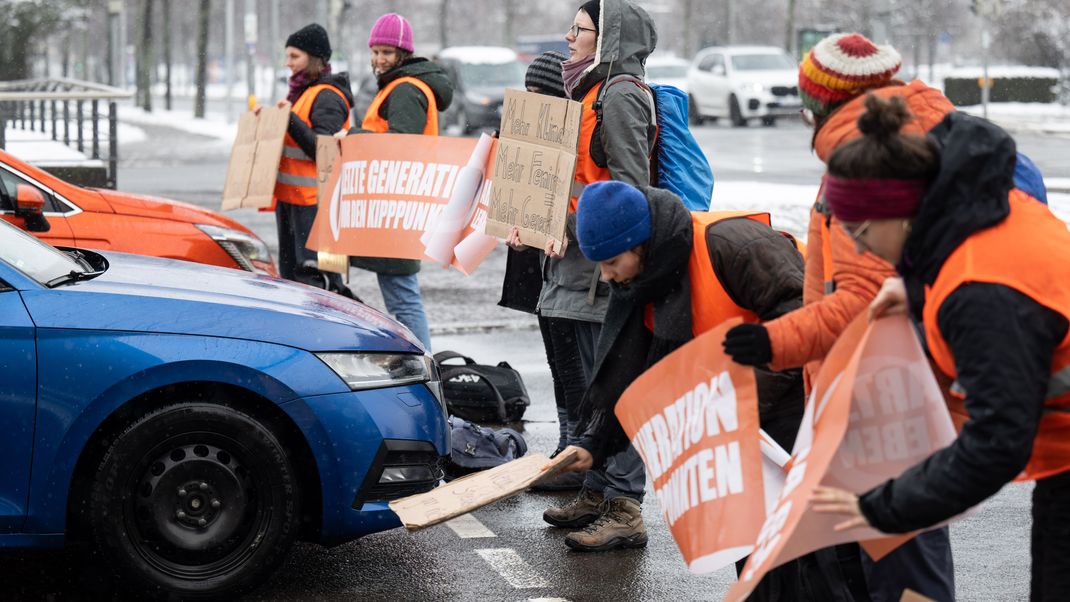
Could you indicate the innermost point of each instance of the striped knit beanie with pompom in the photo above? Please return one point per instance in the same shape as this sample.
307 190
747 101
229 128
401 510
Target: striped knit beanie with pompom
841 67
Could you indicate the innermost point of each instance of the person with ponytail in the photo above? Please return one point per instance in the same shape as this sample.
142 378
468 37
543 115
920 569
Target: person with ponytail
320 103
985 269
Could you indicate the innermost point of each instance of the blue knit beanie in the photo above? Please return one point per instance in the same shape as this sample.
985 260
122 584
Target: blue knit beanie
611 218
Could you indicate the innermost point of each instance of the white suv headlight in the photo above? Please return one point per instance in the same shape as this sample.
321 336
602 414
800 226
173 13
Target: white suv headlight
377 370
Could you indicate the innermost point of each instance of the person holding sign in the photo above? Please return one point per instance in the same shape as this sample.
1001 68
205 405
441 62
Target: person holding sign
674 274
985 268
320 106
607 38
412 91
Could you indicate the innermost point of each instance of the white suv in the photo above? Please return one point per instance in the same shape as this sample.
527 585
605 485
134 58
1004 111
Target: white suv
742 83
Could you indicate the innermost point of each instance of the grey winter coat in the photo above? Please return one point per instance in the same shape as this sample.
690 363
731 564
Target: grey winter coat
625 138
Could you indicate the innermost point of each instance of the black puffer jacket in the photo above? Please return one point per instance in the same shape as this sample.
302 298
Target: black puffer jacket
328 113
758 267
406 112
1002 340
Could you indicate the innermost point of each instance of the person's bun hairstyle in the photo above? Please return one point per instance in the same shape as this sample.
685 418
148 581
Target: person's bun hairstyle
883 151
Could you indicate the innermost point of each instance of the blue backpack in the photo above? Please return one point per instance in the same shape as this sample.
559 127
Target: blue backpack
677 163
1028 179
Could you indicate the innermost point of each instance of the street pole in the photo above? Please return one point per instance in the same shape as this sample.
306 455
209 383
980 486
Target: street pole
250 47
274 49
228 54
115 8
986 41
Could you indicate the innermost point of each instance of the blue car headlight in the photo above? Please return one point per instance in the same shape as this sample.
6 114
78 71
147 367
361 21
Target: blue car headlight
362 370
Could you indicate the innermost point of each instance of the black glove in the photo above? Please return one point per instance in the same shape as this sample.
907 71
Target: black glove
748 344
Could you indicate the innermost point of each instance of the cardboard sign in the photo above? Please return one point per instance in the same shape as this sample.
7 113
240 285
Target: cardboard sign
476 490
693 417
328 151
254 159
875 411
535 166
408 197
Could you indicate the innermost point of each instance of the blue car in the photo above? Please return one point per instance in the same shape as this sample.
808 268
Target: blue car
192 422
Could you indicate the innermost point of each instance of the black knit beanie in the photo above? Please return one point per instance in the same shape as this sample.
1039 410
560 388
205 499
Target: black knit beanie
313 40
544 74
593 8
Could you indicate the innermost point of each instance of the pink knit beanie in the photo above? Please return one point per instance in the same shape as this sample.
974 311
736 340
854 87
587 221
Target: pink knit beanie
392 29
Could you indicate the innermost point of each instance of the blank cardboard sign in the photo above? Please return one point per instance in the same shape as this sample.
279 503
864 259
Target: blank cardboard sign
477 490
254 159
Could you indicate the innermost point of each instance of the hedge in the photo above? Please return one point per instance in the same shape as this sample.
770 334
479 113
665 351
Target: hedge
965 91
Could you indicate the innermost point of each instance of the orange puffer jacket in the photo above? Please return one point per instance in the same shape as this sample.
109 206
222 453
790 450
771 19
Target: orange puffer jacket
804 336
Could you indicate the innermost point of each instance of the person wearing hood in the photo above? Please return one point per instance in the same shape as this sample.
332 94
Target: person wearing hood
673 275
412 91
985 269
607 38
320 102
834 78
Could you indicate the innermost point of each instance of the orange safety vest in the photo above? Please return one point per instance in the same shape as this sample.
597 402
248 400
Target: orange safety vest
587 171
373 122
710 303
296 182
1028 251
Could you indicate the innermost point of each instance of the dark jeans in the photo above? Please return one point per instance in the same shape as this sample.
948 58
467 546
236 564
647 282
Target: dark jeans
1051 539
561 339
296 262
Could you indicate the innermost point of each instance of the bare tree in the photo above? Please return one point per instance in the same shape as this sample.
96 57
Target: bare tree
443 22
145 60
166 8
202 57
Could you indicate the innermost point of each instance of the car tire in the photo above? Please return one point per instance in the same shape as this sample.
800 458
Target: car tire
769 121
694 117
195 501
735 114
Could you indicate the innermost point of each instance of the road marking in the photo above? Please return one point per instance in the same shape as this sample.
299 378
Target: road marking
512 568
547 600
468 527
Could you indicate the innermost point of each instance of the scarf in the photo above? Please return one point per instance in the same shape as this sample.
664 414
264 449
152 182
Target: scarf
299 82
572 72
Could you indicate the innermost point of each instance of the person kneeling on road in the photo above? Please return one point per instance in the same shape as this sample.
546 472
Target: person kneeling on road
673 274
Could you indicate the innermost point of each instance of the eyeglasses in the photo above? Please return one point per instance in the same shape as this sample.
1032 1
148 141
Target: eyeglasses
576 29
859 231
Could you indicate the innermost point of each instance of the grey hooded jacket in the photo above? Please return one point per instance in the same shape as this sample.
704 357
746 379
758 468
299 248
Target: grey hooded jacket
625 138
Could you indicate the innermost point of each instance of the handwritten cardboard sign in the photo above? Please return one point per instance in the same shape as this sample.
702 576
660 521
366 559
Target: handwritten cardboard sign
693 418
534 168
406 196
875 411
477 490
254 159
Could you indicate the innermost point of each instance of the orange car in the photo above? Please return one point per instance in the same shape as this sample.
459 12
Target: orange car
63 214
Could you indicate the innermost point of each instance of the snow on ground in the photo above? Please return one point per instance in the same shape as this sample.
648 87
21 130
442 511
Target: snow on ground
39 148
1043 118
214 125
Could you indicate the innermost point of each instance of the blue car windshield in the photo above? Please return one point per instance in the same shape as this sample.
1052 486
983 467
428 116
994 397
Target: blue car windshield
33 257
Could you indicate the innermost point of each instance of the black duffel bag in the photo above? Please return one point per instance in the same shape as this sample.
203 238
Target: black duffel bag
480 392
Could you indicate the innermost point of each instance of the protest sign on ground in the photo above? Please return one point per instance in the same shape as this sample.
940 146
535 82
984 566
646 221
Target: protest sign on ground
477 490
875 411
254 159
408 197
693 417
536 163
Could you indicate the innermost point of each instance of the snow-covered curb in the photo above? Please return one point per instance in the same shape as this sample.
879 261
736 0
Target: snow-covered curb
1043 118
212 126
39 148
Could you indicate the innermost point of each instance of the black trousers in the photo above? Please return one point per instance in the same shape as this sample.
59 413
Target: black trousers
296 262
1051 539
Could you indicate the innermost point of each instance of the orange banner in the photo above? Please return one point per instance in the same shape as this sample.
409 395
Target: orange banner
408 197
875 411
693 417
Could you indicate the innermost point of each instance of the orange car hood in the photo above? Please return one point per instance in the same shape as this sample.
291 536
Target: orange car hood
125 203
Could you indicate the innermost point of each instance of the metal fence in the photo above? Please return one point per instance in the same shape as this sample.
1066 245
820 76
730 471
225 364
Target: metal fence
65 109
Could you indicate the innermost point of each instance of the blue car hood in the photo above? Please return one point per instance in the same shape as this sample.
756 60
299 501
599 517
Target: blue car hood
148 294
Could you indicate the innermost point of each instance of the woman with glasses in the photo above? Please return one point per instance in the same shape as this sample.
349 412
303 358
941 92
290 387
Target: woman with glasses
833 79
985 268
608 43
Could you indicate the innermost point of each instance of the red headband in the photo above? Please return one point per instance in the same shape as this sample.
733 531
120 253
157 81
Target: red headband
859 199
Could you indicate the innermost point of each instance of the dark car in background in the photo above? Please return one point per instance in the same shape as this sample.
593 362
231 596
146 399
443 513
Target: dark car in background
480 76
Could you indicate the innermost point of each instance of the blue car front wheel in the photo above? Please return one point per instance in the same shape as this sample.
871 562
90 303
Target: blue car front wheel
195 499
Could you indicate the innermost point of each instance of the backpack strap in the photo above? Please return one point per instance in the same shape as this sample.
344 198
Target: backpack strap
652 103
443 356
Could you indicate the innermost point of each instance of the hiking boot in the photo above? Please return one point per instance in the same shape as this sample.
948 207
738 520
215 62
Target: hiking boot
579 512
619 526
566 481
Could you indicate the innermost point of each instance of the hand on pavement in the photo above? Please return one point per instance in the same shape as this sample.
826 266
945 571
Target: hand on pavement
890 300
830 500
748 344
514 240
